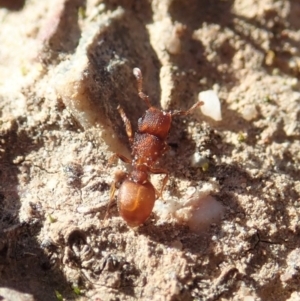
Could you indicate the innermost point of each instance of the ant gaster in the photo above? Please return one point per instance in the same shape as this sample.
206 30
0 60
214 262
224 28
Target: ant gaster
137 195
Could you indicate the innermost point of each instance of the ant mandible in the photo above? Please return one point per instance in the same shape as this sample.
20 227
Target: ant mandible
136 194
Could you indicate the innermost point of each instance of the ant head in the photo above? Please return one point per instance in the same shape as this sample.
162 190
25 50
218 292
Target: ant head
155 122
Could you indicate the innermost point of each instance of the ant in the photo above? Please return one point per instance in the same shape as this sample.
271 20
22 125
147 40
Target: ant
136 194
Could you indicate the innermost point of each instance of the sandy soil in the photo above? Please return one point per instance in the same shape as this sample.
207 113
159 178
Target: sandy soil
65 66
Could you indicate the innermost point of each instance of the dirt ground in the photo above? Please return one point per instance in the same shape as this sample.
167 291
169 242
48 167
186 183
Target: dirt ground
66 65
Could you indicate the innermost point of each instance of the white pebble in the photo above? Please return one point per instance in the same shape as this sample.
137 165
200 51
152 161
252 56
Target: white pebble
249 112
207 211
212 105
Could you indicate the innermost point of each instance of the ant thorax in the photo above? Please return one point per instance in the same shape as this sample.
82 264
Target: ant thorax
147 148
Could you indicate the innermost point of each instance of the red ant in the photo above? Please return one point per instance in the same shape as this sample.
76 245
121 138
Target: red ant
137 195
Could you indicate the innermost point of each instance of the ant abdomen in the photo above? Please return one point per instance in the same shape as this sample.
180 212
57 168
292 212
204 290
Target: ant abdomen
136 201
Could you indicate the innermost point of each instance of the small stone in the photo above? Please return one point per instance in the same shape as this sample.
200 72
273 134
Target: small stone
249 112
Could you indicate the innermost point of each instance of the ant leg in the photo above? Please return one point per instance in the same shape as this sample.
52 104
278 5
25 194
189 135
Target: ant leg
139 77
114 157
111 198
165 179
184 113
120 176
127 124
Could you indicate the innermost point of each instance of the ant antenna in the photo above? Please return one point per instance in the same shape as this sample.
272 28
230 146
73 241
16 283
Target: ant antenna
139 77
189 111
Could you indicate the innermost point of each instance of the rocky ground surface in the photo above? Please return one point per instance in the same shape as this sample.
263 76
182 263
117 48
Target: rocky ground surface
65 66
